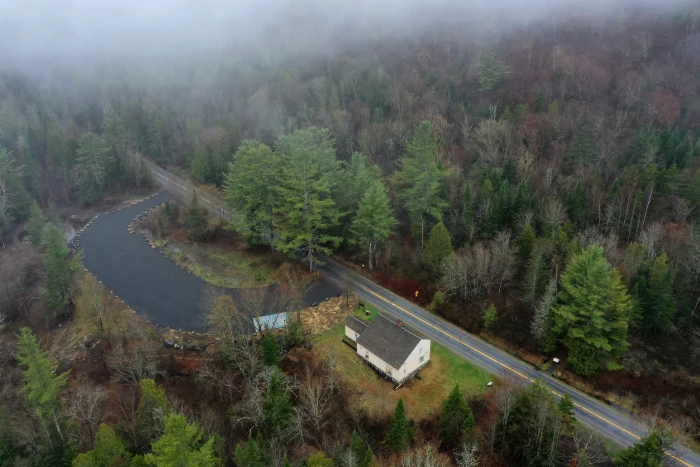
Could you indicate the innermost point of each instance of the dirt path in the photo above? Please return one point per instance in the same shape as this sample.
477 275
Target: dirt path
146 280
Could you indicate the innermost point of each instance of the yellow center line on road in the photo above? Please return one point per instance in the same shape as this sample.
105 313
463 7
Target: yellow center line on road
600 417
611 423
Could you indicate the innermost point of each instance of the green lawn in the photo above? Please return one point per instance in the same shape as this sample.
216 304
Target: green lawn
225 267
423 398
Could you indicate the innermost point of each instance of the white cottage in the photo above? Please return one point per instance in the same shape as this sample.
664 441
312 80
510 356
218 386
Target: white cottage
388 346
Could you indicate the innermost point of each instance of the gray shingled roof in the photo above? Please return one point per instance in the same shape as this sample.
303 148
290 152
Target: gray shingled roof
386 340
355 324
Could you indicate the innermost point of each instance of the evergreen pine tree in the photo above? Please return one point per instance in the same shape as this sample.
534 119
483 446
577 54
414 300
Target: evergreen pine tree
182 444
576 207
593 310
250 190
580 151
108 450
36 224
270 351
361 451
659 307
307 211
151 413
503 208
253 454
399 437
524 245
541 100
566 408
277 409
438 248
196 221
647 452
491 70
41 383
59 272
539 325
489 316
456 416
423 181
374 220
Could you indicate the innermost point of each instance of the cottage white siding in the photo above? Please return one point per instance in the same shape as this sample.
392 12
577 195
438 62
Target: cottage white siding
351 334
378 362
419 357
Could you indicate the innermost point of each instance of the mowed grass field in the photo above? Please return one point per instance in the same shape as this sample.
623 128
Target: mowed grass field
376 396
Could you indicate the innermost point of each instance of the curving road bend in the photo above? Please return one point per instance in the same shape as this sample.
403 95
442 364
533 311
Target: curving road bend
619 427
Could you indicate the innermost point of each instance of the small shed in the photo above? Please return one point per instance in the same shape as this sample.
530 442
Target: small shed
270 322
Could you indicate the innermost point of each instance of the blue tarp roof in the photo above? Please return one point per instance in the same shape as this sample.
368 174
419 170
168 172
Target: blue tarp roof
275 321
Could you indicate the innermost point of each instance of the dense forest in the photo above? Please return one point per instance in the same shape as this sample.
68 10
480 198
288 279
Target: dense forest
539 185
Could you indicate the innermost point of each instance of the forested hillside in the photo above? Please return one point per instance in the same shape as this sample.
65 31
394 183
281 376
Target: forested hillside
539 184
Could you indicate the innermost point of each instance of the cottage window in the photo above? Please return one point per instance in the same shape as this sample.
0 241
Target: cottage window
356 336
388 369
404 371
367 355
421 359
420 350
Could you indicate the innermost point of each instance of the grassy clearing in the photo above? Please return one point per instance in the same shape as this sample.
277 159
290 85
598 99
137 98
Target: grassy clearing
225 267
377 397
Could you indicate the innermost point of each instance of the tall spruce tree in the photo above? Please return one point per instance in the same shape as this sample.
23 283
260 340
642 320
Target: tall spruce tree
250 190
374 220
36 224
423 181
196 220
151 413
399 437
647 452
182 444
307 210
277 409
438 248
108 450
658 301
361 452
592 314
524 245
455 418
254 453
41 383
59 272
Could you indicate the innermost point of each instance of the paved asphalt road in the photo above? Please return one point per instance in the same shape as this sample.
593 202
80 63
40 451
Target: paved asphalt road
149 282
617 426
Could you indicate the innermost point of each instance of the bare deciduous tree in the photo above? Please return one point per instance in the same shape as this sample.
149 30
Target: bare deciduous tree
681 209
426 456
651 238
315 394
135 361
496 142
589 448
553 212
298 283
466 455
476 271
85 406
236 341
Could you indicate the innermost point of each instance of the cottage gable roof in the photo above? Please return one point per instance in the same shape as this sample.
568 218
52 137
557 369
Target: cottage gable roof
355 324
388 341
